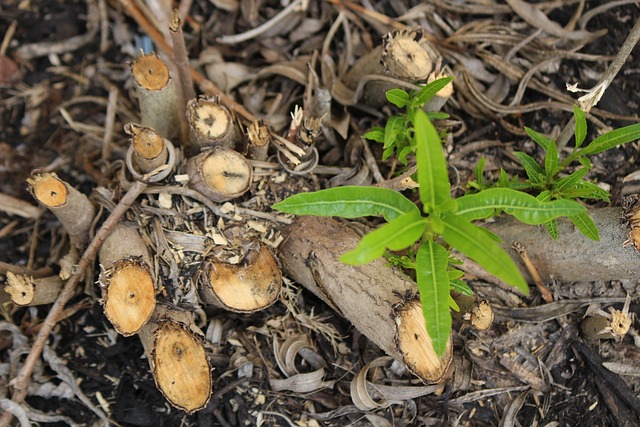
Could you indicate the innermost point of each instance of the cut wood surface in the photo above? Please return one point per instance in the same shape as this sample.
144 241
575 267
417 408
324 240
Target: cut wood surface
211 124
29 291
74 210
573 257
156 95
176 351
149 151
127 282
220 174
247 287
380 301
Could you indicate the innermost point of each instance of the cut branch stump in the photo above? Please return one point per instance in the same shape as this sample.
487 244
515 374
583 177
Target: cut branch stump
380 301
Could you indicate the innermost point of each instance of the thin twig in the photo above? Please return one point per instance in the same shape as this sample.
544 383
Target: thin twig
186 89
21 381
592 97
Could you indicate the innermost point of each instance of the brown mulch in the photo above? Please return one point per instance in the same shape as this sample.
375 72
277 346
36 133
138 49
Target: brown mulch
59 65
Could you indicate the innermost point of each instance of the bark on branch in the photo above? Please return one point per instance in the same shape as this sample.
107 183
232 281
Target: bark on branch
380 301
573 257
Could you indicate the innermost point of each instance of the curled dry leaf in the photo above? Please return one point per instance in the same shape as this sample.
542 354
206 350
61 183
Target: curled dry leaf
286 355
368 396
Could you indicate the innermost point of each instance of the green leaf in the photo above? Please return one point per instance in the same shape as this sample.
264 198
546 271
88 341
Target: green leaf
400 233
612 139
571 180
551 160
523 206
398 97
432 167
585 161
453 304
429 90
474 243
479 170
393 130
349 202
454 273
552 229
531 167
586 190
586 226
375 134
581 125
461 287
538 138
437 115
433 284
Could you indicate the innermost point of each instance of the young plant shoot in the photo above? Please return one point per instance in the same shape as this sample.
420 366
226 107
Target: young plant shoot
430 232
547 180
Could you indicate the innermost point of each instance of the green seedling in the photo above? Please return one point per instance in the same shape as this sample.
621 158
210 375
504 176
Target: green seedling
549 181
397 135
427 233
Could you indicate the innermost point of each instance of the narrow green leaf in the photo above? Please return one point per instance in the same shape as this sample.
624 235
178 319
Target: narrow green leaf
429 90
454 273
453 304
581 125
586 190
531 167
552 229
433 284
538 138
586 226
571 180
393 130
612 139
523 206
432 167
479 170
471 241
585 161
376 134
398 97
400 233
460 286
349 202
437 115
551 160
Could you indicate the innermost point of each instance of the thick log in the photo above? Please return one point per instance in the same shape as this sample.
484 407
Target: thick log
573 257
377 299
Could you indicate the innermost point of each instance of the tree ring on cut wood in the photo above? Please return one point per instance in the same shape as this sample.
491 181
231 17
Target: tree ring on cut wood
150 72
129 295
415 346
180 366
220 174
243 288
49 190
